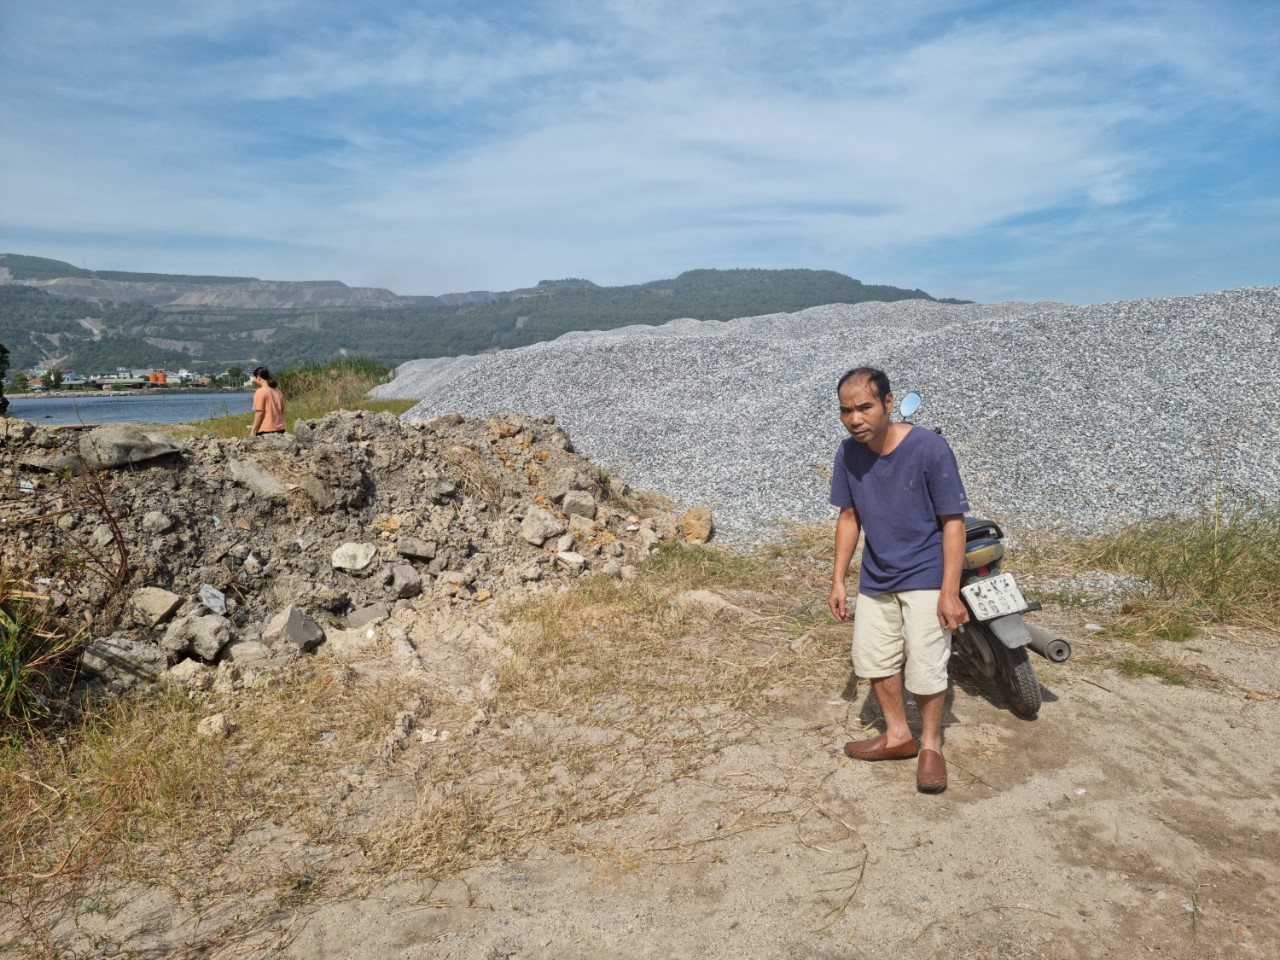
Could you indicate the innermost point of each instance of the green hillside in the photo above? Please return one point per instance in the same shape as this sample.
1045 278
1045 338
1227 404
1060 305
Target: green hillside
39 327
40 268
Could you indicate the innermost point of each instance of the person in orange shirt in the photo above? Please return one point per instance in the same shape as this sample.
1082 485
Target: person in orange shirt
268 404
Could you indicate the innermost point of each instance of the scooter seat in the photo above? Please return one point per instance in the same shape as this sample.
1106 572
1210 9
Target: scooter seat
976 529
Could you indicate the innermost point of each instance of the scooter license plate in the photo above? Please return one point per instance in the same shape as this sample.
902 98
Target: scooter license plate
994 597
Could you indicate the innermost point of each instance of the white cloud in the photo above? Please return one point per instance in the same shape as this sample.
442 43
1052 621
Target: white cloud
489 146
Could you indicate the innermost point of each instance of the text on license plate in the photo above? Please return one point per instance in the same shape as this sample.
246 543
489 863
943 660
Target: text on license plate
994 597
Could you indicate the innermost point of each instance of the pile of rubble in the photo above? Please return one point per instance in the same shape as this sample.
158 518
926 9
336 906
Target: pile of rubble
202 558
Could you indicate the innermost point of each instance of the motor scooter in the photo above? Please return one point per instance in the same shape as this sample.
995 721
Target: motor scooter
994 643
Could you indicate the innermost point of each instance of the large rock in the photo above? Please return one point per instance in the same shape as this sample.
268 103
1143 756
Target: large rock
254 476
539 525
294 625
124 662
124 444
153 605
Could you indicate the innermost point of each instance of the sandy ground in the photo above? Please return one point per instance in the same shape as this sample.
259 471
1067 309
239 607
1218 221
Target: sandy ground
1132 818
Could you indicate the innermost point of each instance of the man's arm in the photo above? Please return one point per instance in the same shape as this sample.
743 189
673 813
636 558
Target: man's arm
847 529
951 609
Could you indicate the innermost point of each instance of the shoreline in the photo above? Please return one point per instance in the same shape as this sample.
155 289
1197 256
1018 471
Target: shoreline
149 392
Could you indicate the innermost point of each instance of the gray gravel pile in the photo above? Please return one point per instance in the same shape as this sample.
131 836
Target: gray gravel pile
1064 418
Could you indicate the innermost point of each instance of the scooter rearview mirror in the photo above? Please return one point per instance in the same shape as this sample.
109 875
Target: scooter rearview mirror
909 404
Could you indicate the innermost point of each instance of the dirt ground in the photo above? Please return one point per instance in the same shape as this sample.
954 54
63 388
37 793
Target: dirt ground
1132 818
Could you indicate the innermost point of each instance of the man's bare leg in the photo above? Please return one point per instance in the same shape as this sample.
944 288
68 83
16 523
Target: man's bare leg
931 771
930 720
888 691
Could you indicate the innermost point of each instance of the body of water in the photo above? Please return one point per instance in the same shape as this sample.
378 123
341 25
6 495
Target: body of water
150 407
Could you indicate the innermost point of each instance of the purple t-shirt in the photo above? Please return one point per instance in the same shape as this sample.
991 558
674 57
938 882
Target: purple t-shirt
899 498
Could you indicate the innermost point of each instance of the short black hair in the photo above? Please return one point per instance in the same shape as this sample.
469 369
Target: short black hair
876 377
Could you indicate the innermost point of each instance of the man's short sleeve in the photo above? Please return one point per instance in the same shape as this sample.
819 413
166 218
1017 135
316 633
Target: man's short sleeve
942 477
841 496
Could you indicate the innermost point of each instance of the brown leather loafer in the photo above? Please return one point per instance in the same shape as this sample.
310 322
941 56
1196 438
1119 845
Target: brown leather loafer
877 748
931 772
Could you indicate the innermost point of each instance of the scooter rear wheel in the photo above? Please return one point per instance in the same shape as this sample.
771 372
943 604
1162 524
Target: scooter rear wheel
1019 679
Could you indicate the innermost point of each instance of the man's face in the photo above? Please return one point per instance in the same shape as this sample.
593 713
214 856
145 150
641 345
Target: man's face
862 412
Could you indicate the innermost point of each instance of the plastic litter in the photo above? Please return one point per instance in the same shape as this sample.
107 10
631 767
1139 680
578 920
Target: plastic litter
213 599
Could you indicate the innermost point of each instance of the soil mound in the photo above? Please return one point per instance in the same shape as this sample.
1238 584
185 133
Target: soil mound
255 550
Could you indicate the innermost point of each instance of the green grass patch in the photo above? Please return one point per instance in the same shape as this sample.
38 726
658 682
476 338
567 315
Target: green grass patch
695 567
1134 668
36 659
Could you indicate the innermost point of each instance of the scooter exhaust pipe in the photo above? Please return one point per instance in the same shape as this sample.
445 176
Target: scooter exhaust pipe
1053 649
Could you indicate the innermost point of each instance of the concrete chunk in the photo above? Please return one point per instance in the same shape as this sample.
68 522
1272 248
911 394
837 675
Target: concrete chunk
124 662
579 503
406 581
252 475
124 444
539 525
354 557
367 615
204 636
416 549
294 625
573 562
153 605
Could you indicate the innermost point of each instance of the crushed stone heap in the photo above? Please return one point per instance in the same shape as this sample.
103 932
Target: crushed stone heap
247 551
1066 419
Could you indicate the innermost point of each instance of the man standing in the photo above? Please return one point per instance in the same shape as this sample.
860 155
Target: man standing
900 486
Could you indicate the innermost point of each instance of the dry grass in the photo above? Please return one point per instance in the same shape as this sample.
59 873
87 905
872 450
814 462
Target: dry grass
472 469
130 794
612 692
1200 572
1216 570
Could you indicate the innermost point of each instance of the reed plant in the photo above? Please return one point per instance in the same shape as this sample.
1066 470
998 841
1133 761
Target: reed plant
1213 570
37 656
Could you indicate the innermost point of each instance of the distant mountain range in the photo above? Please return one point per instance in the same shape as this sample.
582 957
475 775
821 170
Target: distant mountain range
95 320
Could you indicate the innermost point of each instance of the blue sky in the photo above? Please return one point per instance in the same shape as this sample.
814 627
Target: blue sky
1078 151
